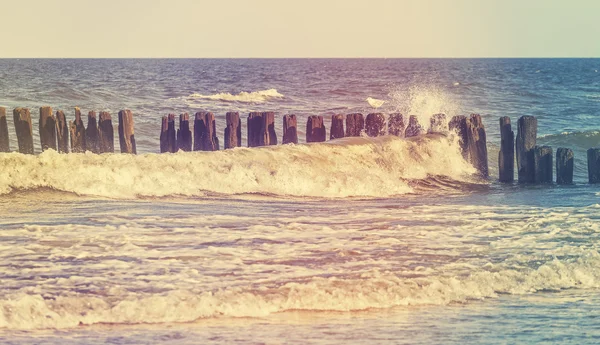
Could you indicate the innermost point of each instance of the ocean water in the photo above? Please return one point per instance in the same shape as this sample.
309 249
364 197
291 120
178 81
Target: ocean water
380 240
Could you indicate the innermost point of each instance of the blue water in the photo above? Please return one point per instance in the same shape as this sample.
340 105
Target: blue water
381 240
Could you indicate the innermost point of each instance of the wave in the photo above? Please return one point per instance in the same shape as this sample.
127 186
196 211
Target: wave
578 139
370 167
245 97
370 290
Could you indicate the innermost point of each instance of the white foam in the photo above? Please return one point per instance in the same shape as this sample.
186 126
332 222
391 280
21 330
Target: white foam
374 102
245 97
350 167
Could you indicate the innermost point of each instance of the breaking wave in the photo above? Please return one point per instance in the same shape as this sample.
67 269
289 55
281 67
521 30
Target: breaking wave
245 97
370 167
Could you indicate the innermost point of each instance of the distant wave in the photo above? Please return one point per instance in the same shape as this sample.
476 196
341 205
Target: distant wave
245 97
372 167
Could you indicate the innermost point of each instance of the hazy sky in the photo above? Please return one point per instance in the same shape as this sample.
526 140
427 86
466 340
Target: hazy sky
302 28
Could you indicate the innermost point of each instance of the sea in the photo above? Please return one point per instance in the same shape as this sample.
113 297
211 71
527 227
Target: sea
358 240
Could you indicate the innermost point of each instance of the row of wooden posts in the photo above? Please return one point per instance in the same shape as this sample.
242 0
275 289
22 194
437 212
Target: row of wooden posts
534 163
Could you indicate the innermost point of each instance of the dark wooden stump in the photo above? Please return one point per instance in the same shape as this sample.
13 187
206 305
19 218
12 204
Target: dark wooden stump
106 135
525 142
126 132
171 135
414 128
337 127
205 135
254 126
458 124
315 129
355 123
290 129
233 131
477 144
184 134
4 142
542 160
47 129
564 166
92 137
77 131
375 125
438 124
593 160
164 135
396 125
267 130
506 156
62 132
24 130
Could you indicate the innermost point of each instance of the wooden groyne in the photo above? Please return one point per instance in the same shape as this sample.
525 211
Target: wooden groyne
534 164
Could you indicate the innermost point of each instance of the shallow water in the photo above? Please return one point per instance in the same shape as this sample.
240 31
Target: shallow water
382 240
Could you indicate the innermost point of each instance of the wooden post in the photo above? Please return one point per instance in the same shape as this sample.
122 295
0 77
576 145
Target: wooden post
564 166
24 130
414 128
458 124
254 125
126 132
593 156
477 144
92 137
375 125
290 129
77 131
542 157
47 129
396 125
315 129
526 141
437 124
267 130
184 134
337 127
171 134
106 135
62 132
164 135
4 142
506 156
199 130
355 123
233 131
205 135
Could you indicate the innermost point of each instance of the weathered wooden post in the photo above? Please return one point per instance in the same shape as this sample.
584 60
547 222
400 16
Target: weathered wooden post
47 129
315 129
526 141
337 127
437 124
290 129
205 135
92 137
458 124
62 132
4 142
233 131
126 132
106 135
542 158
564 166
267 130
355 123
77 131
506 156
24 130
593 157
171 134
477 144
396 125
164 135
414 128
375 125
184 134
254 126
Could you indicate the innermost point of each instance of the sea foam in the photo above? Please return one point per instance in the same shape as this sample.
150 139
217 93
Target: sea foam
373 167
245 97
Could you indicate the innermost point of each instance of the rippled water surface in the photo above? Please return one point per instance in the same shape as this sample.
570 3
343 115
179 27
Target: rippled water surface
384 240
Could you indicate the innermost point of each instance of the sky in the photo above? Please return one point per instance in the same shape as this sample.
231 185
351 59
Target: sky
302 28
